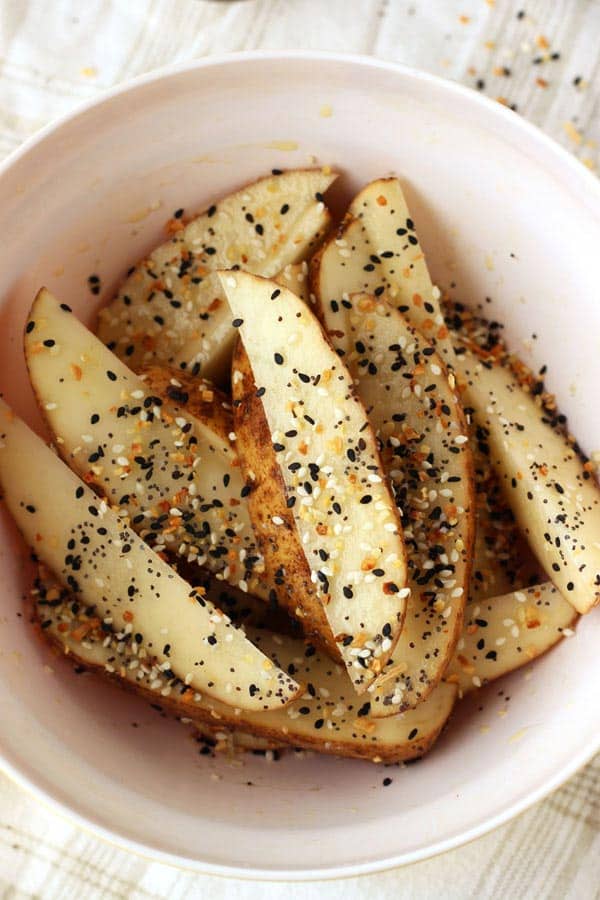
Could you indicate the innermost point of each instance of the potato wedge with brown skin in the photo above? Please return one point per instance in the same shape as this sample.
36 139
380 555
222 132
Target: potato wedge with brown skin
170 309
502 634
329 718
554 498
197 396
107 567
274 526
347 532
418 419
176 478
377 250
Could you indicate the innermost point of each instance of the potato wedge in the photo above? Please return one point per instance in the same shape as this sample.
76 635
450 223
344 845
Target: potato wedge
377 251
285 565
417 416
555 500
106 566
329 718
502 634
171 308
176 478
339 510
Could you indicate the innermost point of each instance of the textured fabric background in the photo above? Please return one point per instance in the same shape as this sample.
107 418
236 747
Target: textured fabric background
542 57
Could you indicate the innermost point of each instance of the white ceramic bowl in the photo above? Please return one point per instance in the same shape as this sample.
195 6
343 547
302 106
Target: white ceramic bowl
503 213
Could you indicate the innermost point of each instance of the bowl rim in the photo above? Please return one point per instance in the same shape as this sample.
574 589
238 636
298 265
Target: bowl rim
33 784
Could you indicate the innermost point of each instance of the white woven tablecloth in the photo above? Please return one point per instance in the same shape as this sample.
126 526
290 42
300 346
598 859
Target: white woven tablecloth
540 56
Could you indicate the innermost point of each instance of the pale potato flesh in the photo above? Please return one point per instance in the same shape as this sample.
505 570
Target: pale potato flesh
175 478
171 309
338 501
555 500
329 717
296 278
502 634
418 419
106 566
377 251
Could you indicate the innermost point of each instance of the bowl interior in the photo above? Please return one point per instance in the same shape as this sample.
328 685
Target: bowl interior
507 221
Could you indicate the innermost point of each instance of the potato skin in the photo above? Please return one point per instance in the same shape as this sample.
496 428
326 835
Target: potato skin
185 708
201 398
285 562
